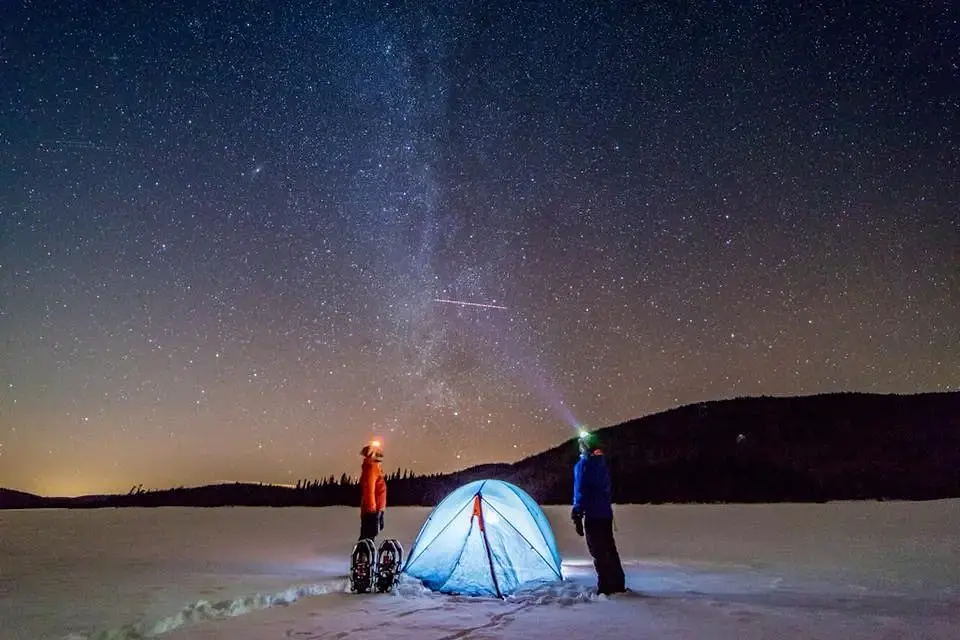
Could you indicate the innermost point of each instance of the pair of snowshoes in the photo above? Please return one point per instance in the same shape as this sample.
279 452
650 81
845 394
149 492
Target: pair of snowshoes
375 569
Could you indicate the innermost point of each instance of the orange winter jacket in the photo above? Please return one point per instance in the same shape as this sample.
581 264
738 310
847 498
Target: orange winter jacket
373 487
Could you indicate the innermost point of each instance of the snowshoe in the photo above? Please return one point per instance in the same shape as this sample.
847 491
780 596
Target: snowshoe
389 561
362 563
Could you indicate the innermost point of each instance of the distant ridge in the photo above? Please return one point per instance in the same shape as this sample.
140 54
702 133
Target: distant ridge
10 499
836 446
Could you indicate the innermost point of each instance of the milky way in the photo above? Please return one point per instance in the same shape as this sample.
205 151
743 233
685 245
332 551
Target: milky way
230 235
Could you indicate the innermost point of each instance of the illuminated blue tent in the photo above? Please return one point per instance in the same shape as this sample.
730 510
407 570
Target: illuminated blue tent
486 538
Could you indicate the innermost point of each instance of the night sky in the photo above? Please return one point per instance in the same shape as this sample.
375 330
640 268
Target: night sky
233 236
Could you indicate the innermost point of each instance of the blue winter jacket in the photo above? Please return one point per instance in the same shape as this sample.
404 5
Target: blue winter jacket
591 487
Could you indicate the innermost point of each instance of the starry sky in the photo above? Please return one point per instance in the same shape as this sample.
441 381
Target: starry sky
236 238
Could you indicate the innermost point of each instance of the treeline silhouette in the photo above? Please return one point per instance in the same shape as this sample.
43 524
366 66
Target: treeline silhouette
844 446
326 491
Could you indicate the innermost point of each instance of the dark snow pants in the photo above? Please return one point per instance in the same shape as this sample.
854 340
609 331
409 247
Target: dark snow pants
606 558
369 525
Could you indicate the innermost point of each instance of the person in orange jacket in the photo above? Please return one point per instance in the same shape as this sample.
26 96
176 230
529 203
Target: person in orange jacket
373 491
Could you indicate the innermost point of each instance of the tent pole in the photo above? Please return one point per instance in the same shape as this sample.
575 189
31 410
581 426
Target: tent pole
478 510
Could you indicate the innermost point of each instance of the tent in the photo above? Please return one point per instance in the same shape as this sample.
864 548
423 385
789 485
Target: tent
487 537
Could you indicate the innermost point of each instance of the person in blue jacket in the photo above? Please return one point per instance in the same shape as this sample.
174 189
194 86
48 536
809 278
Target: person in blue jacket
593 514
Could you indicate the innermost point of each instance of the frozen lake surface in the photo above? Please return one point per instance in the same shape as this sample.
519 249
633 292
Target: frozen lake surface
850 570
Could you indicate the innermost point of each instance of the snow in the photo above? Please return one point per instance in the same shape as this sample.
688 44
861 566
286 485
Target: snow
837 570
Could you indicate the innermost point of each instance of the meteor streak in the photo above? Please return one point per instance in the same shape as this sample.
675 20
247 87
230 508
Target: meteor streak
470 304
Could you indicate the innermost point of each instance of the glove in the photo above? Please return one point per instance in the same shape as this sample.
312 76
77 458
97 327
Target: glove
380 519
577 516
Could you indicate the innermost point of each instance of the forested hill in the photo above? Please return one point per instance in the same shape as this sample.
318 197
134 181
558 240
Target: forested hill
10 499
828 447
845 446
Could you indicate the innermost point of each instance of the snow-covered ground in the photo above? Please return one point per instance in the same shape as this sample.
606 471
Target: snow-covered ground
839 570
